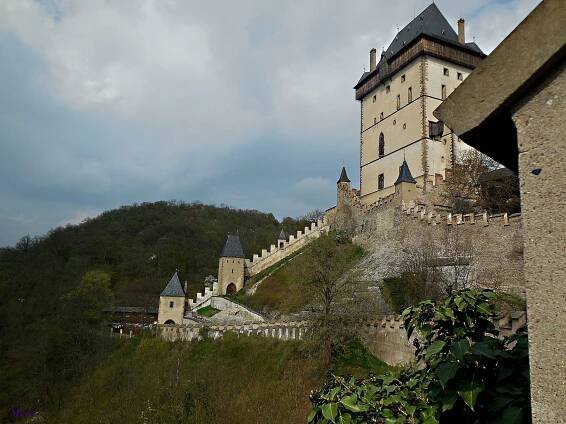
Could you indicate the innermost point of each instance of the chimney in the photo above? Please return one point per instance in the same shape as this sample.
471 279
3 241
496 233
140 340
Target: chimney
372 60
461 31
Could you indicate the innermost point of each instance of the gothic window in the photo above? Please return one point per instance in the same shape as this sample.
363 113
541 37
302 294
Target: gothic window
403 78
380 182
443 92
410 94
398 101
381 145
388 89
446 72
374 98
460 76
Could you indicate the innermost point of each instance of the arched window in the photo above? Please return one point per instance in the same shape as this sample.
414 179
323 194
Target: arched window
381 145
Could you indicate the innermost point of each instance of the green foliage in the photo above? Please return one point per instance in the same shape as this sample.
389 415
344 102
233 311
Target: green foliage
352 358
207 311
289 287
468 373
394 292
229 380
53 288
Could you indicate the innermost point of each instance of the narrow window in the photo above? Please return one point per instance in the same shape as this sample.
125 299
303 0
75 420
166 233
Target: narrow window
171 304
403 78
380 183
398 101
381 115
410 94
446 72
375 120
404 126
374 98
232 271
460 76
388 89
443 91
381 145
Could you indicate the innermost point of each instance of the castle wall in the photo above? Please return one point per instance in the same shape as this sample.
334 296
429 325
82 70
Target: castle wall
293 244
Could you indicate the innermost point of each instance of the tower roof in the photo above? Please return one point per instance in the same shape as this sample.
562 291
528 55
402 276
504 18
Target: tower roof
343 177
429 22
405 175
232 248
282 235
174 287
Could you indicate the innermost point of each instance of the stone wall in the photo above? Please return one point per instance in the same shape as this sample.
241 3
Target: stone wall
285 248
384 337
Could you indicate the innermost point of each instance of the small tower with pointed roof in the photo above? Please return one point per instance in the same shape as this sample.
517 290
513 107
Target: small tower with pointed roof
231 266
281 240
405 185
172 302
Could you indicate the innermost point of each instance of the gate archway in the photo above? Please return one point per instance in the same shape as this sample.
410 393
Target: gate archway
231 289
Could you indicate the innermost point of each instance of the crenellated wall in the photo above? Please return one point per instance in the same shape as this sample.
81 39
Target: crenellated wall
384 337
277 253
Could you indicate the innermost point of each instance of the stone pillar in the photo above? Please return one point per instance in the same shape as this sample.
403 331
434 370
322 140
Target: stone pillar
542 168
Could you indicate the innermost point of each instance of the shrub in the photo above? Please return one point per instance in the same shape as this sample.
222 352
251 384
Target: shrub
465 372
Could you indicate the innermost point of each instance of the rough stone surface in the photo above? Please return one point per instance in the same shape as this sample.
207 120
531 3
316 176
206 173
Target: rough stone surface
542 165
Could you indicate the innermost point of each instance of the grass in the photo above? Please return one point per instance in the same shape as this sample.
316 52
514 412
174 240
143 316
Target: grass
207 311
354 359
229 380
286 290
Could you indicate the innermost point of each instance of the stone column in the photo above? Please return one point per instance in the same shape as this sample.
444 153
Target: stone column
539 120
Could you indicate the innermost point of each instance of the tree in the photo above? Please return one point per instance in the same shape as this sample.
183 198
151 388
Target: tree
462 188
327 275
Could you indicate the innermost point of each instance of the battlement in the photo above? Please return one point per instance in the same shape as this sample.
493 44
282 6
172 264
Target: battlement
354 197
203 297
285 247
434 217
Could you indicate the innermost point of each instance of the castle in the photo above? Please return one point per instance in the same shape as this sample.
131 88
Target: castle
425 62
405 153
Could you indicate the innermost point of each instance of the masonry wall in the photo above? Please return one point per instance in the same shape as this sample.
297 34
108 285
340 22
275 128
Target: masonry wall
542 166
174 313
230 270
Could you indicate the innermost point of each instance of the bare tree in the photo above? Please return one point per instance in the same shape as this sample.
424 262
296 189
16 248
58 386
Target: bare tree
313 216
458 255
462 188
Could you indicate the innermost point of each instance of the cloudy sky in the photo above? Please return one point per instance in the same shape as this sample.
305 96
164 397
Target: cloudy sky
246 103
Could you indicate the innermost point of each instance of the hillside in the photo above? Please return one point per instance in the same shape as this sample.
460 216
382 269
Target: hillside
53 288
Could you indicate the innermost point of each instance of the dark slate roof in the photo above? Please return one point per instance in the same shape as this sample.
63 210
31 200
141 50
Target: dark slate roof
430 22
282 235
405 175
174 287
343 177
232 248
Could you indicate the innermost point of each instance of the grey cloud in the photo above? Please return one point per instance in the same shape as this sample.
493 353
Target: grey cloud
248 103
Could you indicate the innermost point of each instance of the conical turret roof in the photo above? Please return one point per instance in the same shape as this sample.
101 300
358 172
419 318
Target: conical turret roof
282 235
343 177
405 175
232 248
174 287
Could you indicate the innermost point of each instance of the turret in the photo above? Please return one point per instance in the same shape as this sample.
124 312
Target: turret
405 185
281 239
231 266
172 302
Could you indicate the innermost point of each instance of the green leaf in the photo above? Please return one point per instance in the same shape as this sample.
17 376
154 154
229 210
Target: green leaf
469 393
329 411
485 308
435 348
345 418
446 371
512 415
460 348
313 413
351 403
448 401
483 349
